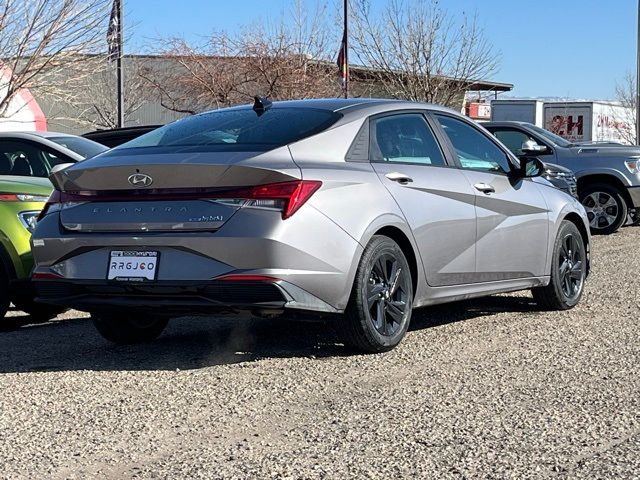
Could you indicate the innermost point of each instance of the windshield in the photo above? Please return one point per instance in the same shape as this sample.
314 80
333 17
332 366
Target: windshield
238 129
82 146
551 137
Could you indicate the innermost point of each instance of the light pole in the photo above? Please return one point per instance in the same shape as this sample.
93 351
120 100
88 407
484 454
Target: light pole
120 88
638 80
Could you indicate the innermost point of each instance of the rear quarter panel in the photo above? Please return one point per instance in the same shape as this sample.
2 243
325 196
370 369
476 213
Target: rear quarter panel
352 195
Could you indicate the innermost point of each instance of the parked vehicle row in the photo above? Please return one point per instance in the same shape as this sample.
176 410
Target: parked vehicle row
26 160
357 209
581 122
608 176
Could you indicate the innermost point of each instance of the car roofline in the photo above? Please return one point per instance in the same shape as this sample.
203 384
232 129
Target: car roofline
344 105
28 134
45 140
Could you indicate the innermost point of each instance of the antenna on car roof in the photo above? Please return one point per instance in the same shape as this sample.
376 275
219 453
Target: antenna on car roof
261 104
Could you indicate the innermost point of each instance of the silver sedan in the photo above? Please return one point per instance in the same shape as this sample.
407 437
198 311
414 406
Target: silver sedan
358 209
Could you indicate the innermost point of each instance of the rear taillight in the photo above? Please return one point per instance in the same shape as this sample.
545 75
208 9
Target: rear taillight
54 199
45 276
287 197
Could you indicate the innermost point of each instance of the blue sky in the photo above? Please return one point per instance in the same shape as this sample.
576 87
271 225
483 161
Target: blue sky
565 48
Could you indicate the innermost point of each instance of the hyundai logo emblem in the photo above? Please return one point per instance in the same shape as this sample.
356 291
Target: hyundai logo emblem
140 180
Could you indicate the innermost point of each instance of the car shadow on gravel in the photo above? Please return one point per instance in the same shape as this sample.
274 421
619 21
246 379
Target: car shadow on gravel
191 343
15 322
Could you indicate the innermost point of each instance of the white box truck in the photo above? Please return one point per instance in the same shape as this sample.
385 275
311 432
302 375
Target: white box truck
529 111
589 121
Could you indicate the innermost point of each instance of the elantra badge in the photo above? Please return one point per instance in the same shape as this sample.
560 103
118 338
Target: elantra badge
140 180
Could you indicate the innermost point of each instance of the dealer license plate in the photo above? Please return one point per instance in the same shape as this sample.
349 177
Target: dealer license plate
132 266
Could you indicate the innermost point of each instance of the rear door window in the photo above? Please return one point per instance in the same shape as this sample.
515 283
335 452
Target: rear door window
22 159
404 138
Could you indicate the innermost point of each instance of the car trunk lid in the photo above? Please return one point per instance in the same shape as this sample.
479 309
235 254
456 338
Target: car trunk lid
164 192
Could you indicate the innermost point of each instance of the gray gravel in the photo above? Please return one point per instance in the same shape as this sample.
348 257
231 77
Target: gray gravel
485 389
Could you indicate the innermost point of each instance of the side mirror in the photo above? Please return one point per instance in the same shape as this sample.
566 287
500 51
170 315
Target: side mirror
532 148
531 167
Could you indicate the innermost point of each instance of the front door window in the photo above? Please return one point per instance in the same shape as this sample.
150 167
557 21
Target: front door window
475 151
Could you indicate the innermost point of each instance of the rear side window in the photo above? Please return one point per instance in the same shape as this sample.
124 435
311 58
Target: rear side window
238 129
404 138
23 159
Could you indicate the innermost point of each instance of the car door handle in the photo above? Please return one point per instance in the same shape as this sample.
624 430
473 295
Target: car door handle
401 178
484 187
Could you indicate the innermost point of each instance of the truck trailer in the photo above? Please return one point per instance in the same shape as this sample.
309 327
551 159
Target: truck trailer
529 111
589 121
578 122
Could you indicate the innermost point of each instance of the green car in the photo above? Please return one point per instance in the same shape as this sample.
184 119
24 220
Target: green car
21 199
26 159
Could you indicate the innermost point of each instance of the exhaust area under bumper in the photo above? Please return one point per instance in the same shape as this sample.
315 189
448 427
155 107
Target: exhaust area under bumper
166 298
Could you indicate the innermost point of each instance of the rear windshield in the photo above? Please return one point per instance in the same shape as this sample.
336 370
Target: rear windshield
237 129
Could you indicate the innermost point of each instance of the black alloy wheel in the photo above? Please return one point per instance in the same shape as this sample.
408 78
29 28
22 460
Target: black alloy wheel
379 310
568 271
572 266
387 290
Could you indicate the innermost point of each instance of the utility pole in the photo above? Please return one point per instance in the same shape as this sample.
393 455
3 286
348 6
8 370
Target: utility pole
638 80
120 88
346 47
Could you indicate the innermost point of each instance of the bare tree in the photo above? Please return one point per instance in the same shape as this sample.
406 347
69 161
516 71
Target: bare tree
189 79
96 104
284 60
416 50
41 39
626 95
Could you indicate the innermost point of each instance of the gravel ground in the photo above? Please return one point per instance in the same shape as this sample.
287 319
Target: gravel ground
490 388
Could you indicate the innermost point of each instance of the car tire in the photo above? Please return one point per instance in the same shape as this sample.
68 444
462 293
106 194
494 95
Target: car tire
605 206
122 329
5 300
568 271
379 309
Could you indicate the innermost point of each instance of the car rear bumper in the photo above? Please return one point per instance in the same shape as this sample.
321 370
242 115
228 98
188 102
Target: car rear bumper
308 256
177 298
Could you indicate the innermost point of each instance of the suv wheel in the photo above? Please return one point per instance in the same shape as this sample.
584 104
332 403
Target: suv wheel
605 206
379 311
568 271
129 328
